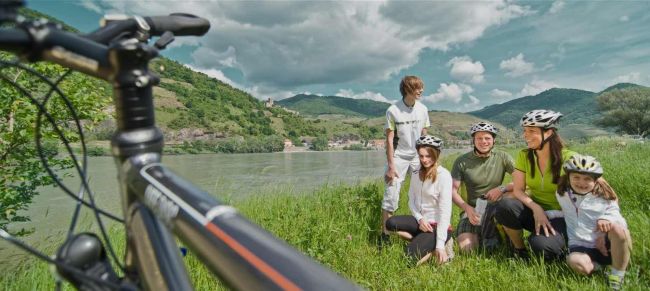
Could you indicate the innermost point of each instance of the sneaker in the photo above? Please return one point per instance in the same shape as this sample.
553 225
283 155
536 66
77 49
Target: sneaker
615 282
521 254
384 240
449 248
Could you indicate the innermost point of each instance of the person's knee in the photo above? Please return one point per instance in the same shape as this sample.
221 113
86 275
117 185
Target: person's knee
467 243
391 224
618 234
505 210
580 263
390 201
551 247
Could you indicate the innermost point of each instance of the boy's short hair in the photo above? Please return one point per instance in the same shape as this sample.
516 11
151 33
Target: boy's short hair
409 84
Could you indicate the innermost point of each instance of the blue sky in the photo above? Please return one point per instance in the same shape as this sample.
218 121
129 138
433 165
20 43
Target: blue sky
470 54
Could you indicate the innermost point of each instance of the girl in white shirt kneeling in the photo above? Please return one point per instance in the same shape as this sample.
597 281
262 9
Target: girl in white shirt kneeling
428 228
597 231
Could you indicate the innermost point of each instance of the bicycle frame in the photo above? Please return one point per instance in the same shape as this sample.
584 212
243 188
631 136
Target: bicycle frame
155 200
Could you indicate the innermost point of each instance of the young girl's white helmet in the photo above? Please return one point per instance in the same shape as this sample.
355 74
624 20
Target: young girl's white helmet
429 140
483 126
540 118
583 164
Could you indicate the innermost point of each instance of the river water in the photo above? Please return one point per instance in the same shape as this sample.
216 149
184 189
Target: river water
226 176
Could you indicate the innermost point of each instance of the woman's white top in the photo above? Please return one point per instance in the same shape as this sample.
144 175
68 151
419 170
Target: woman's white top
432 201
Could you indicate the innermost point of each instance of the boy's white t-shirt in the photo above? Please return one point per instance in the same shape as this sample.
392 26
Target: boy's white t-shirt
407 123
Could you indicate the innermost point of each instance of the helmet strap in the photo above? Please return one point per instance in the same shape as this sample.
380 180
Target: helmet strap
544 140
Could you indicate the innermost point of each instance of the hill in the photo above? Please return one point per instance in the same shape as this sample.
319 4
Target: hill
317 106
579 107
453 127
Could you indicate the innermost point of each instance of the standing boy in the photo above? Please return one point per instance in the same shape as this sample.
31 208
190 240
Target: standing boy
406 120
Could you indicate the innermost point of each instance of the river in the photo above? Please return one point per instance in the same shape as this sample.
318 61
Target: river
226 176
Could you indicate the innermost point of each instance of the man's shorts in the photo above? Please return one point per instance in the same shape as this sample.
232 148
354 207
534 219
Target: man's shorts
464 226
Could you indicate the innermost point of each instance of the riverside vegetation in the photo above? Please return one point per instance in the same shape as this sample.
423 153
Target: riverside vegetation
338 226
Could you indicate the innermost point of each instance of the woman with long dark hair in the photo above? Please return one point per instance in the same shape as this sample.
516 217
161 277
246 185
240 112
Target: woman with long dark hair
537 172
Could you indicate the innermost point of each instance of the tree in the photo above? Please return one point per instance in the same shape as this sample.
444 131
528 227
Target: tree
626 110
320 143
21 172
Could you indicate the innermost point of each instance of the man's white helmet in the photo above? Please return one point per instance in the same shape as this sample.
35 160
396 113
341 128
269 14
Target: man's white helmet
483 126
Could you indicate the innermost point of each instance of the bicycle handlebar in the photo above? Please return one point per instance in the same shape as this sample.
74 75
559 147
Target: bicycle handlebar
178 23
89 54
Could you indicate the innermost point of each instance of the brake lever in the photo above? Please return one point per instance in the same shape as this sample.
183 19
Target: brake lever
165 39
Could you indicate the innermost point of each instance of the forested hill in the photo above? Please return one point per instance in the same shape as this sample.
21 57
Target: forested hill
577 106
312 105
193 106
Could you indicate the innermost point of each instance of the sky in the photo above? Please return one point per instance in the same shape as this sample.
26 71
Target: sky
470 54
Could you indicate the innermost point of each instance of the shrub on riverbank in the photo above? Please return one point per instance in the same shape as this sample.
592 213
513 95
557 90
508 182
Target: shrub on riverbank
338 226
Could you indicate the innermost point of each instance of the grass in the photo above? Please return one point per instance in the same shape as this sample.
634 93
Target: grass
338 226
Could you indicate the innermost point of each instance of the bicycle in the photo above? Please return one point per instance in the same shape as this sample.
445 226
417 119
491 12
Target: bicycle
155 201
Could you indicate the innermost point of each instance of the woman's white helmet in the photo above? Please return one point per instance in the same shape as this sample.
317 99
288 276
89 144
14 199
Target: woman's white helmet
429 140
583 164
540 118
483 126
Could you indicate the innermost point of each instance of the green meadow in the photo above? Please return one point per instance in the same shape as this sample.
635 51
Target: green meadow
338 226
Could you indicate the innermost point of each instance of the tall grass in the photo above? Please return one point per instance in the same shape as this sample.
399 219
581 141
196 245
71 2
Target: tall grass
339 225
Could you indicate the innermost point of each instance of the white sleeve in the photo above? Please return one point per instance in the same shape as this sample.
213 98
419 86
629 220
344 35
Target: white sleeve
444 209
613 213
390 120
415 187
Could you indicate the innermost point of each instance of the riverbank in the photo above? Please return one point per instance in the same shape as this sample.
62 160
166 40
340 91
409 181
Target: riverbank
338 226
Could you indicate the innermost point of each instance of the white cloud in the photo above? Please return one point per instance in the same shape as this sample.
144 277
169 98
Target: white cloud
556 7
500 94
472 104
624 18
264 93
323 42
449 92
535 87
216 74
634 77
517 66
90 5
444 23
364 95
464 69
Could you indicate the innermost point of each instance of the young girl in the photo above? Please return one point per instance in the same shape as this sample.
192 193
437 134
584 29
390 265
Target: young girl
427 228
597 232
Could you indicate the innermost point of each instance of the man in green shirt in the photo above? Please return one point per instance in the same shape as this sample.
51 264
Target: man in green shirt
481 171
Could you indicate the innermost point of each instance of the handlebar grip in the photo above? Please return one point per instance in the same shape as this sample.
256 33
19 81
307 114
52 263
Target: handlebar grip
178 23
14 40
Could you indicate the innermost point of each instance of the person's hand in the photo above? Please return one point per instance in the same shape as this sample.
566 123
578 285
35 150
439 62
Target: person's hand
390 175
601 246
473 217
494 194
425 226
603 225
441 256
542 222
